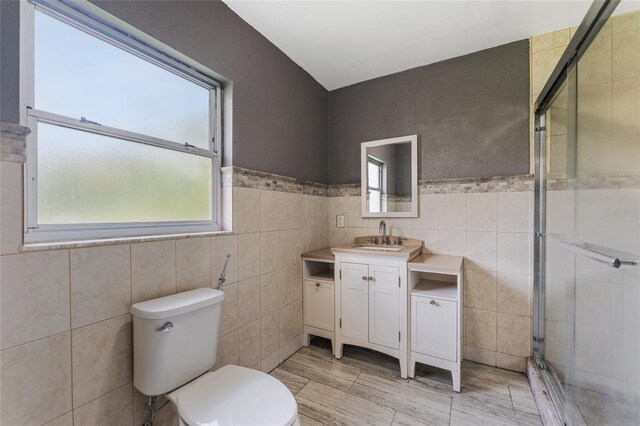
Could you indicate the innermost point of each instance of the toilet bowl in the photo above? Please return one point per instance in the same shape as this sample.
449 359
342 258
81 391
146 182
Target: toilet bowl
175 341
235 395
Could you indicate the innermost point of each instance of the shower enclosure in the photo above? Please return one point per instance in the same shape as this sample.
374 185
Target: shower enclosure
587 242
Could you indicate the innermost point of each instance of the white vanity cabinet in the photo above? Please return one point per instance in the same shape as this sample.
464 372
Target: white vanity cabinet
372 300
436 313
318 295
370 303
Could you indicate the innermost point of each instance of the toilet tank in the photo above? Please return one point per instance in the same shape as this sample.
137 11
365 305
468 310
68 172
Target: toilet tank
175 339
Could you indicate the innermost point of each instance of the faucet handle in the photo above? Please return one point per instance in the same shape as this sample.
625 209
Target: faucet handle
397 241
372 240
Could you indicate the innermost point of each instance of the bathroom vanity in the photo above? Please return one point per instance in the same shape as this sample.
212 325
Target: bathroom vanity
391 299
371 297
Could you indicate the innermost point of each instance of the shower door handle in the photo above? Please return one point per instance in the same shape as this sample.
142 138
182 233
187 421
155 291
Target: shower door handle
611 257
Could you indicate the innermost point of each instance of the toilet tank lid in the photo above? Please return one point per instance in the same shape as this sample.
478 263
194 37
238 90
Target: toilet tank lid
177 304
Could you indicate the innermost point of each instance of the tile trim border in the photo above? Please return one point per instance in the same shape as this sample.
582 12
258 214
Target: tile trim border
13 143
512 183
595 182
515 183
248 178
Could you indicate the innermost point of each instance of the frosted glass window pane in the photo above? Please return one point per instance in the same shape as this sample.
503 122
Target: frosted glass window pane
89 178
78 75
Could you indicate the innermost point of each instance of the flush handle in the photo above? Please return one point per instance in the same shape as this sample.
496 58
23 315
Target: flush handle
166 327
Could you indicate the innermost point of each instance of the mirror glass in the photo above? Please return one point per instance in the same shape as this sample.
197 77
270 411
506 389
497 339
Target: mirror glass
389 177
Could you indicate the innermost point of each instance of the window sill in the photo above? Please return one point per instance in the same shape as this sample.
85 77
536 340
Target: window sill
113 241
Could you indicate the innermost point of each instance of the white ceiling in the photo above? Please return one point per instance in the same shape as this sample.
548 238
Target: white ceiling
345 42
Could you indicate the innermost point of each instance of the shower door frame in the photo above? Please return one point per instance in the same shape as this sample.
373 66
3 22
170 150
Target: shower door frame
565 71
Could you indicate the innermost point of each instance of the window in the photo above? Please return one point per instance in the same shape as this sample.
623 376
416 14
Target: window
375 189
124 138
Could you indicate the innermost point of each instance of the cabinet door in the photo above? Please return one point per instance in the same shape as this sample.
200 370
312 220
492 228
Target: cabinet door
433 327
355 300
384 306
318 305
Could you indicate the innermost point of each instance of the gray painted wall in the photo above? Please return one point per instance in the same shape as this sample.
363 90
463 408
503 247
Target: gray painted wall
471 115
9 65
279 110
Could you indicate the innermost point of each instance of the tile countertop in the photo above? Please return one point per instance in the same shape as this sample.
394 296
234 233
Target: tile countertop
436 263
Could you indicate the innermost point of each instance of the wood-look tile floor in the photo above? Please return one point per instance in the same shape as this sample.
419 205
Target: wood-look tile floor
365 388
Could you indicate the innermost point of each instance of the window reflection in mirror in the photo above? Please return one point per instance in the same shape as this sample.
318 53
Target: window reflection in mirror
375 187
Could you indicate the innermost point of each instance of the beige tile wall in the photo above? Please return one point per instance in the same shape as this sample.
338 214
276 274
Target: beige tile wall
494 232
65 330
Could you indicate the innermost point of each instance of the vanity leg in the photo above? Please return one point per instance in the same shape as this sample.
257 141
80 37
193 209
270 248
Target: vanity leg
456 380
337 351
306 339
403 370
412 369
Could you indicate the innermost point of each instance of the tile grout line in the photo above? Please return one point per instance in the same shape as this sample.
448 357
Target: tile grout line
395 412
175 267
299 390
513 407
70 331
133 393
130 274
129 383
356 379
102 320
310 416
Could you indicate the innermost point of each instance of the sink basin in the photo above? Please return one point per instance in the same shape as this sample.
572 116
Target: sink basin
377 248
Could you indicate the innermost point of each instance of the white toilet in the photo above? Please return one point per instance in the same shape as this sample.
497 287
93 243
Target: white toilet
174 346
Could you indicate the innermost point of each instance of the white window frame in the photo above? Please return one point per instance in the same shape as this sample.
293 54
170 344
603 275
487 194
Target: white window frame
114 34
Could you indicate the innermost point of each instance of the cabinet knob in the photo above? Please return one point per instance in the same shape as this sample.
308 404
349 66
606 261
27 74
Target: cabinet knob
364 278
433 302
371 279
317 284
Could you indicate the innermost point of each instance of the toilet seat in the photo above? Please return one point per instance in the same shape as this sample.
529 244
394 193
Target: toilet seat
235 395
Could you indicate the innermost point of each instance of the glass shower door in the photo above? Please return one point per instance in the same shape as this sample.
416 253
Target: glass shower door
591 220
605 368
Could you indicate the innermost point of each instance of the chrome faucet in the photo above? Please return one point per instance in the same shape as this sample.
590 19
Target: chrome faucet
383 230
